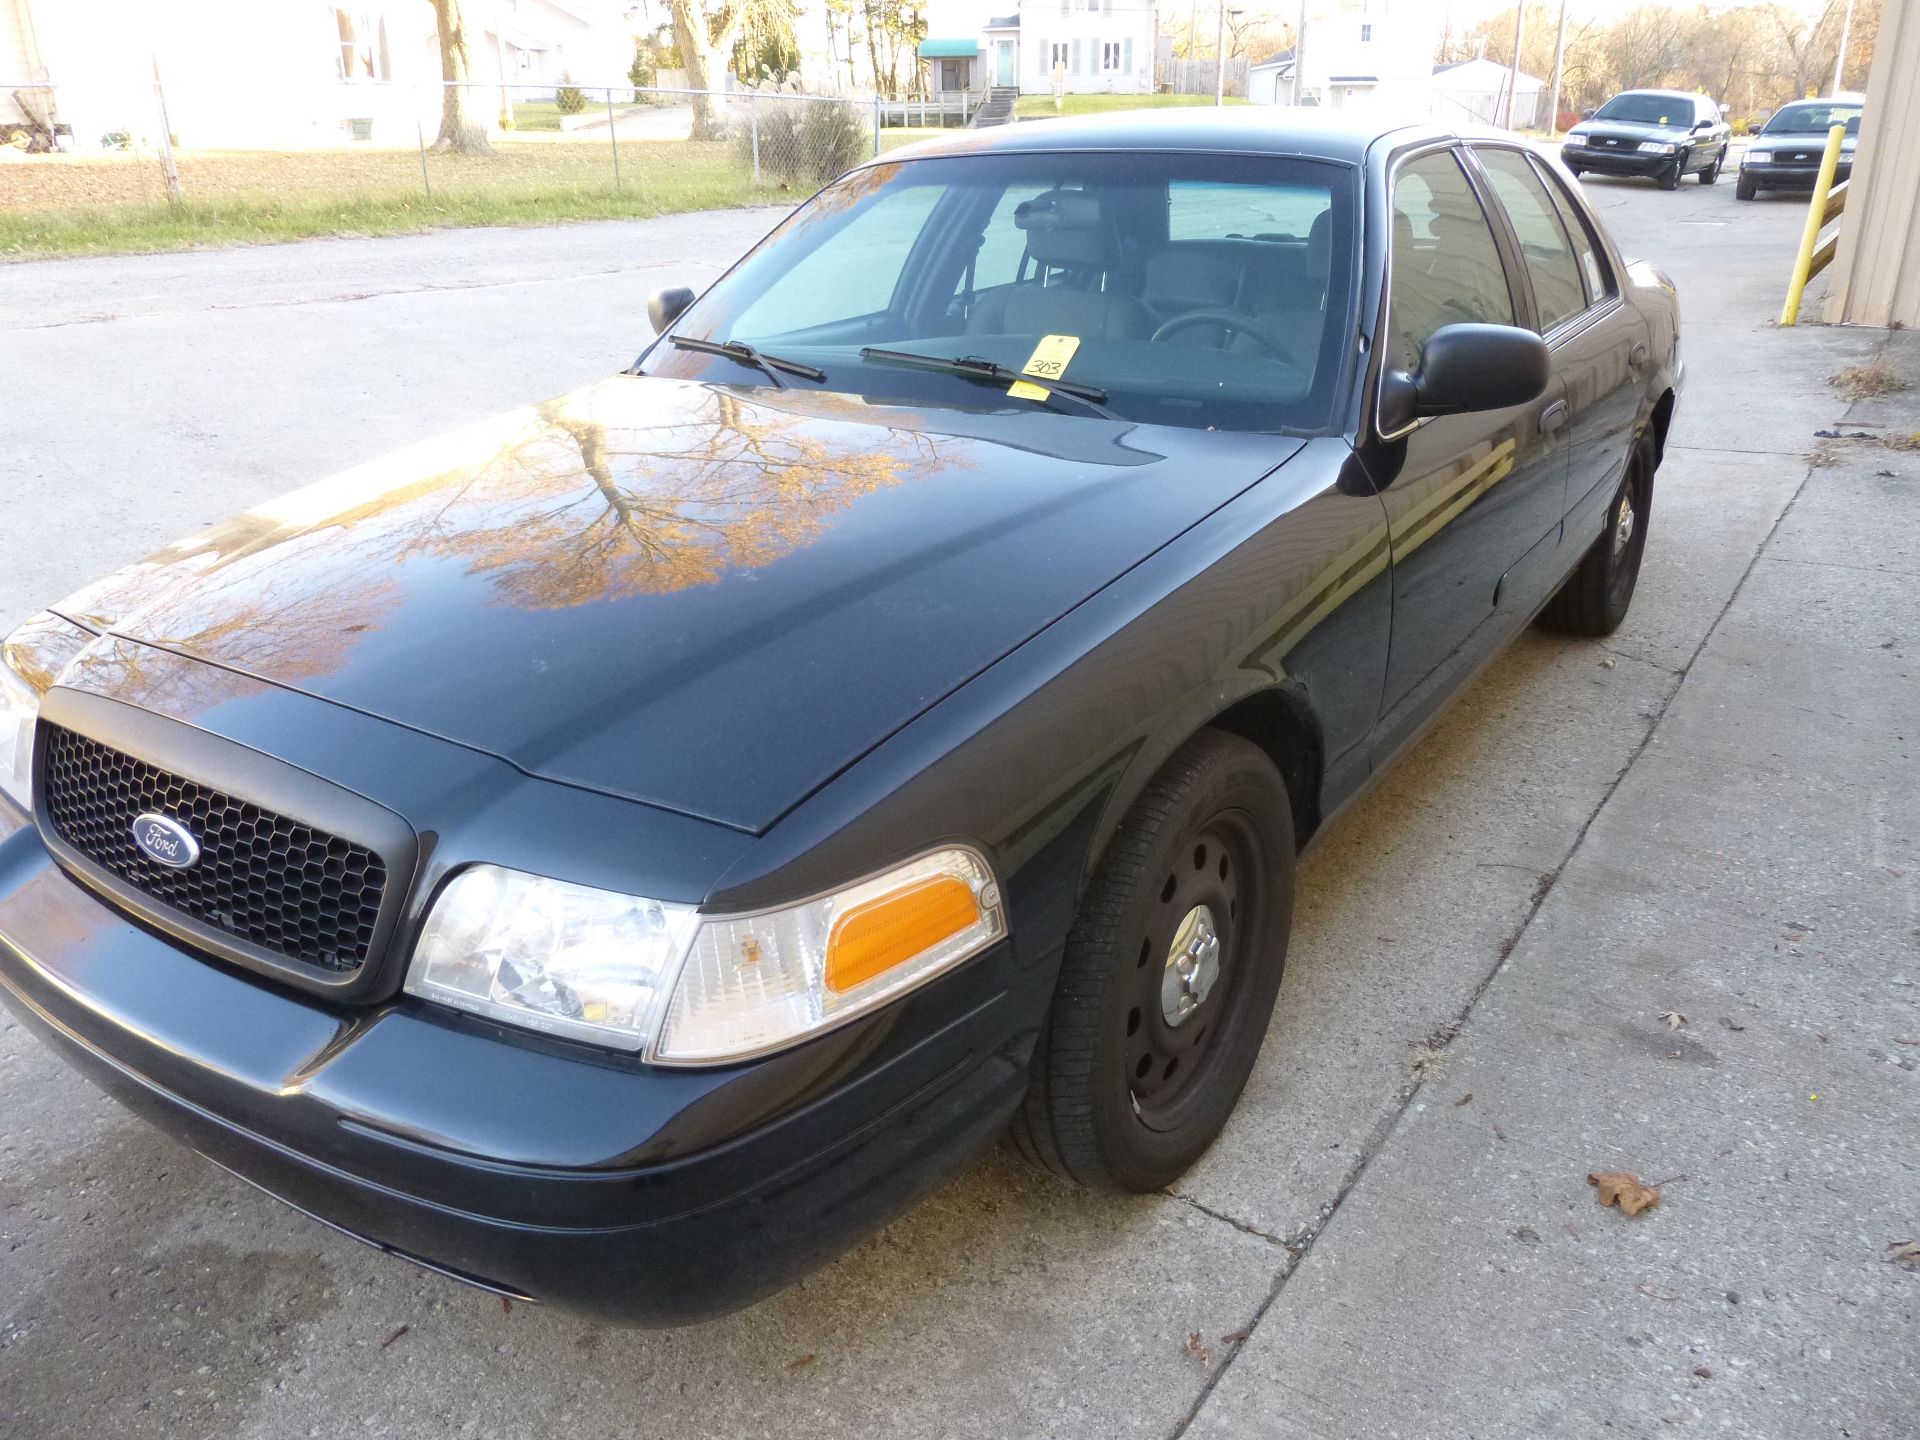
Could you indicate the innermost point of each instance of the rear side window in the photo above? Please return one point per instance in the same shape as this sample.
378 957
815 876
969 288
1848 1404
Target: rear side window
1446 266
1593 265
1544 245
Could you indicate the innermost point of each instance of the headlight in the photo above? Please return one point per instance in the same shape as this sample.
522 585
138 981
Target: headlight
1655 147
1759 157
1580 135
691 989
19 708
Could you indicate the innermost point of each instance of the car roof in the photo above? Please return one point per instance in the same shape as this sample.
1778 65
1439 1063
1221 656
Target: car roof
1342 135
1669 94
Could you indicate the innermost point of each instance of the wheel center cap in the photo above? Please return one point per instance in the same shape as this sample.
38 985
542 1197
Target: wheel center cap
1193 965
1623 528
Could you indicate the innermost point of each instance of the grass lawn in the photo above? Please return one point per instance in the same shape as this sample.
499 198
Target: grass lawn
1033 107
114 204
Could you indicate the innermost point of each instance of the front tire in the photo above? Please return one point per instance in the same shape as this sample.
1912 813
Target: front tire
1669 178
1170 974
1595 598
1744 188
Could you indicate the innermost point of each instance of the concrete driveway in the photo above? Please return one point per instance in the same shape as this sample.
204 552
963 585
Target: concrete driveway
1710 815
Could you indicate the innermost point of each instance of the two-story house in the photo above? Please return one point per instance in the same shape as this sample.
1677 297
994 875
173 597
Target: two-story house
1374 53
1088 46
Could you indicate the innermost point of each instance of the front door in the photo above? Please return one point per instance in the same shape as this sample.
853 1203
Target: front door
1474 501
1003 62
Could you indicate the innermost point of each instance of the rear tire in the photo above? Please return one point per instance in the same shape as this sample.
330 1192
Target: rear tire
1595 598
1712 172
1170 974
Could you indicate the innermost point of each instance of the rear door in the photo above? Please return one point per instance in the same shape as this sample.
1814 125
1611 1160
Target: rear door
1598 344
1474 501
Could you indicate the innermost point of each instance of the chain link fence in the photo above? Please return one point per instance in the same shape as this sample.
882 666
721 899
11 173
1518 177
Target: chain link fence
370 156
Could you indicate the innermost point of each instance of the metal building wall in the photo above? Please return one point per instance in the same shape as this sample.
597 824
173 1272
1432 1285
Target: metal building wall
1876 272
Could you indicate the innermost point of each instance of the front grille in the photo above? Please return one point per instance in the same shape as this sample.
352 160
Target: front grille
285 887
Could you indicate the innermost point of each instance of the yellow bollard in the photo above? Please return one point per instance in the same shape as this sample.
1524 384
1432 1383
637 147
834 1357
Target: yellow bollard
1816 217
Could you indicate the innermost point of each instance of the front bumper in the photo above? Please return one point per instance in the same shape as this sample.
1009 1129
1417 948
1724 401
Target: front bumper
1615 162
540 1169
1793 176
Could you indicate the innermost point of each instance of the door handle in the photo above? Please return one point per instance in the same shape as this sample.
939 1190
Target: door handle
1553 417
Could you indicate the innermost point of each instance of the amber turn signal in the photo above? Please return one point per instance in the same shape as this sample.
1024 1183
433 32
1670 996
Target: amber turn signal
873 937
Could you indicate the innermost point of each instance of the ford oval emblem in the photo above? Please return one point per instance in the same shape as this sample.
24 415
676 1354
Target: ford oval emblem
166 842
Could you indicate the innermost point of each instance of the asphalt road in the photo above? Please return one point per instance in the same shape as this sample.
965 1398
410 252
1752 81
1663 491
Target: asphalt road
1597 834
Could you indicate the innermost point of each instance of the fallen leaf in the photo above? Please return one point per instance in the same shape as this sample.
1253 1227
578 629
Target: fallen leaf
1234 1337
1526 1235
1197 1350
1730 1025
1673 1018
1654 1292
1905 1254
802 1362
395 1336
1463 1100
506 1305
1625 1189
1705 1372
1606 664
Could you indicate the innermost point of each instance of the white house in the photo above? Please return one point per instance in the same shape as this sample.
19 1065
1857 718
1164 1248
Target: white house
1474 92
278 74
1354 53
1096 46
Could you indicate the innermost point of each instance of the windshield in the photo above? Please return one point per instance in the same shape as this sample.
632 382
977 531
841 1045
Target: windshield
1192 290
1813 120
1648 110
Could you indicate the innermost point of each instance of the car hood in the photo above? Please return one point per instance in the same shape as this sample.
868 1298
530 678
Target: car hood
1810 144
1631 130
702 598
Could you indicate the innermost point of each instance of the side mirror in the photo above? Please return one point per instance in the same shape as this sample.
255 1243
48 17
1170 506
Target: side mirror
1700 125
666 306
1465 368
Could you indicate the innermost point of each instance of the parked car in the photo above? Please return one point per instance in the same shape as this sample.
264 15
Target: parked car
1664 134
624 852
1786 154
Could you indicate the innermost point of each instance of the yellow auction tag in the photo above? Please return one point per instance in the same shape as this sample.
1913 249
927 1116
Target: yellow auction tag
1048 362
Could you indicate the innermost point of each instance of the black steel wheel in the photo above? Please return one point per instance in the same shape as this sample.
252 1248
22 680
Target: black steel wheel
1595 598
1170 974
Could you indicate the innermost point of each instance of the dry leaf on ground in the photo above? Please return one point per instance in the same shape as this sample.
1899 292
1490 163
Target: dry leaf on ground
1673 1018
1196 1349
1654 1292
1905 1254
1625 1189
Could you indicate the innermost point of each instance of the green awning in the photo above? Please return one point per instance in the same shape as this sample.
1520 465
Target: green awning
949 49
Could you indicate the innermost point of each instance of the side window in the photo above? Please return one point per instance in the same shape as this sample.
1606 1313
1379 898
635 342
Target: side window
852 274
1593 264
1446 267
1543 240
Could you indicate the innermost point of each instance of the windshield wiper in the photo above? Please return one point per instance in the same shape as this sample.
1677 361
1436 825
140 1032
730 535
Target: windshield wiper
739 350
975 367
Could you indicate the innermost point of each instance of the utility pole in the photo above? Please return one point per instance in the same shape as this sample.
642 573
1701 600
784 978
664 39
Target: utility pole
1559 64
1840 60
1220 59
1513 73
1299 53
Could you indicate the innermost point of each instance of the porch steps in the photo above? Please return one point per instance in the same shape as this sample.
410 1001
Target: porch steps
997 109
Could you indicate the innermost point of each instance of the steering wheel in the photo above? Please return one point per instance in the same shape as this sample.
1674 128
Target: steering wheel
1231 320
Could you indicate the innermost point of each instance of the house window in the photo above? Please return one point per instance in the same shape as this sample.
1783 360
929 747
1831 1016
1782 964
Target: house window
1093 7
1366 33
1110 55
1075 66
1126 55
363 45
1057 60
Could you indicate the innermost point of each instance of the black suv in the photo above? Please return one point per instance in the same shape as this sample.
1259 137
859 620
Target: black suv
1664 134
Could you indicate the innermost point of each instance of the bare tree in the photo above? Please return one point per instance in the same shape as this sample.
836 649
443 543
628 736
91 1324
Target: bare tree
705 36
458 130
